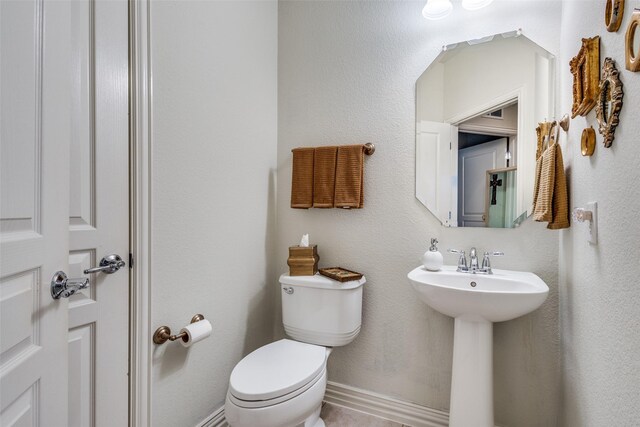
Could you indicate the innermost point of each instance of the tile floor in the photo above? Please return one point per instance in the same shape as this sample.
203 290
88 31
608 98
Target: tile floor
337 416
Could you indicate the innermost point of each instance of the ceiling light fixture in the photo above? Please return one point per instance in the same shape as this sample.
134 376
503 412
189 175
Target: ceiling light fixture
437 9
475 4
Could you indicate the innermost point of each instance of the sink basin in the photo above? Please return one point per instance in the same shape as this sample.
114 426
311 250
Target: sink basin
476 301
503 295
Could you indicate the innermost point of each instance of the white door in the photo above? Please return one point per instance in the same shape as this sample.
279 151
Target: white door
473 164
34 207
64 205
98 213
437 169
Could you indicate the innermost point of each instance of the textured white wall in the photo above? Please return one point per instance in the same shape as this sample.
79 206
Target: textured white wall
214 70
346 74
600 315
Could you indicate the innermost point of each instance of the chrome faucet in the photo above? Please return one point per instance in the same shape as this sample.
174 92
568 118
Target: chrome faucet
473 261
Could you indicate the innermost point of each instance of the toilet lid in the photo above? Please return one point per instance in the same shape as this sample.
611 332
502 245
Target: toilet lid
276 369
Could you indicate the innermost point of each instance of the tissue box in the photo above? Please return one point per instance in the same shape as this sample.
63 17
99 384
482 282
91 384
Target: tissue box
303 261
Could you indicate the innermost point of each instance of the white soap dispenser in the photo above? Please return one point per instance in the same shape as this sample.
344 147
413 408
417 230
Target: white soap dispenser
432 259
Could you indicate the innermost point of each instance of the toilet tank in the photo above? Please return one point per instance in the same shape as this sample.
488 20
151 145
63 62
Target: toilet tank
322 311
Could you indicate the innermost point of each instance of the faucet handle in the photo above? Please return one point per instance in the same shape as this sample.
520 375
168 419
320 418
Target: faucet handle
486 264
496 253
462 260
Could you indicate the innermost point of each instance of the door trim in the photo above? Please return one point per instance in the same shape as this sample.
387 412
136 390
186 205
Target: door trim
140 219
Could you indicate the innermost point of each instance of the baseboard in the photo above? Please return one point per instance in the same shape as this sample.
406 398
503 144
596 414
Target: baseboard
216 419
385 407
368 402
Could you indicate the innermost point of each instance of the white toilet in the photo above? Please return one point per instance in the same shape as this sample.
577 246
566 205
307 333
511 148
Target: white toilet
282 384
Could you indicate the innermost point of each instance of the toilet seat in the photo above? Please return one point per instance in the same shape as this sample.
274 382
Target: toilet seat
276 372
252 404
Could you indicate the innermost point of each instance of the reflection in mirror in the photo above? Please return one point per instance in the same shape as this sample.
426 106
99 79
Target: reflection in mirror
486 142
477 107
501 208
606 99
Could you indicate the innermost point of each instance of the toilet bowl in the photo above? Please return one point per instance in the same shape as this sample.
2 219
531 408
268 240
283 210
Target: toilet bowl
282 384
279 385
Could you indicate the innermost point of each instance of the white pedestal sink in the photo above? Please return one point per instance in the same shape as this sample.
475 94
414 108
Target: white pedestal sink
476 301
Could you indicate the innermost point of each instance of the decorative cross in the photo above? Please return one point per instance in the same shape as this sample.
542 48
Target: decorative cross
494 184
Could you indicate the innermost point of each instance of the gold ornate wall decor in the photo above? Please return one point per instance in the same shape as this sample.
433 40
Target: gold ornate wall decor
632 53
609 101
585 67
588 141
613 15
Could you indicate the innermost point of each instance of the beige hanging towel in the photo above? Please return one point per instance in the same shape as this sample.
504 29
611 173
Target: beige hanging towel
302 178
324 176
536 185
560 204
349 192
551 202
544 186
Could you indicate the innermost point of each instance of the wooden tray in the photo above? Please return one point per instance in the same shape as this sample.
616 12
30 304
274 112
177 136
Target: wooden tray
340 274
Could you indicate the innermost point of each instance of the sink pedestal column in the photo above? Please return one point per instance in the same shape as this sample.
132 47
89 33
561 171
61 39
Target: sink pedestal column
472 377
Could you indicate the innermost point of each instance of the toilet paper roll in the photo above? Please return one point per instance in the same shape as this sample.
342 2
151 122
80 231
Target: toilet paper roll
195 332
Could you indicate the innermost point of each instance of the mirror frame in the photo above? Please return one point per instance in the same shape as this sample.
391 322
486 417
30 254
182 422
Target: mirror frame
609 118
585 67
632 55
614 10
588 141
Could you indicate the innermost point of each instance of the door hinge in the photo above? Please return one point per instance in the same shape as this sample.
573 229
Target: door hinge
449 214
130 260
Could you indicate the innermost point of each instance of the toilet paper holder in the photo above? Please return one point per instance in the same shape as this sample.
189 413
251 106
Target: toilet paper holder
163 333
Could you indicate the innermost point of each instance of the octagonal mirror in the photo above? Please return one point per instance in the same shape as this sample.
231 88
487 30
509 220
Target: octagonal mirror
477 108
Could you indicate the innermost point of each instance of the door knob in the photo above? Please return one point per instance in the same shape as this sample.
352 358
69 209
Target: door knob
63 287
109 264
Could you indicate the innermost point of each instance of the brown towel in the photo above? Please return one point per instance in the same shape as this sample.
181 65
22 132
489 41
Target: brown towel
551 202
560 202
302 178
536 185
349 191
545 181
324 176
